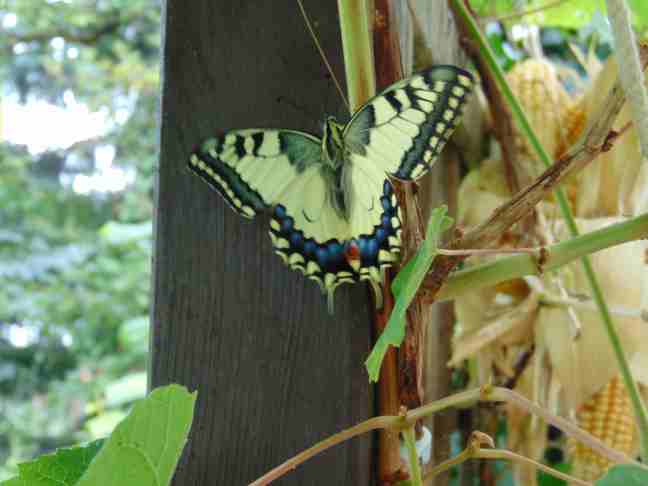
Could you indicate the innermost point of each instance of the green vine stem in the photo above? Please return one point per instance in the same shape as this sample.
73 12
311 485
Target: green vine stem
553 257
357 46
409 437
518 113
358 53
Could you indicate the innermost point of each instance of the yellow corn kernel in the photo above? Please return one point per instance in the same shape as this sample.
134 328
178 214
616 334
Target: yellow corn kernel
607 415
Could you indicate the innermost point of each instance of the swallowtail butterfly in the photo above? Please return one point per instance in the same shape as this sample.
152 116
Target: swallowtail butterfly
335 216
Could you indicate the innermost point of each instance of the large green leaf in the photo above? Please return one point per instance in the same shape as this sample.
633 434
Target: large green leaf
143 449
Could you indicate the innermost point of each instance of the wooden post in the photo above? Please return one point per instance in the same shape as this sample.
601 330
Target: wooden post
274 371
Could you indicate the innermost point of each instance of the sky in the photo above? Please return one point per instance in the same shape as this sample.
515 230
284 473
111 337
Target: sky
42 126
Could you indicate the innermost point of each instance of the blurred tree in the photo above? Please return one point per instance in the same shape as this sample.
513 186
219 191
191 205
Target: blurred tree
75 258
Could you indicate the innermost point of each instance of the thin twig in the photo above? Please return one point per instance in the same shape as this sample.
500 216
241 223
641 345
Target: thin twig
489 251
556 301
474 450
88 35
500 394
465 398
376 423
322 54
504 454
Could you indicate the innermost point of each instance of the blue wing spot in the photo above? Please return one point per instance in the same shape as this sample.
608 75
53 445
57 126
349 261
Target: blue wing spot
280 211
386 203
380 235
322 256
362 244
336 251
296 239
372 247
310 247
287 224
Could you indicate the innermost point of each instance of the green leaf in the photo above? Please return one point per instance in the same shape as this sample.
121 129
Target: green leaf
624 475
492 7
405 286
573 14
63 468
405 272
640 10
144 449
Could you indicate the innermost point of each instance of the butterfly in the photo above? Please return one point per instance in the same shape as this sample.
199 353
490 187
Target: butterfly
334 214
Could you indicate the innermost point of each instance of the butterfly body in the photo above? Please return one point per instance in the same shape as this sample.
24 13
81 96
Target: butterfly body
335 216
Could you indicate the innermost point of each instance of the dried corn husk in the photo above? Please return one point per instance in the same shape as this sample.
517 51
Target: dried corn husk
610 184
496 324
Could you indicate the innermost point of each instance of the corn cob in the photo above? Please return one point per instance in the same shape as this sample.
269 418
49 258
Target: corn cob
545 102
608 416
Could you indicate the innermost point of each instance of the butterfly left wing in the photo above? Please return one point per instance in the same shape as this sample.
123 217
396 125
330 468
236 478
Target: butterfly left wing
282 170
253 168
402 130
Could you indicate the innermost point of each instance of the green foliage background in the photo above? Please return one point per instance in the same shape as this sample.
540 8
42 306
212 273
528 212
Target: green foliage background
75 269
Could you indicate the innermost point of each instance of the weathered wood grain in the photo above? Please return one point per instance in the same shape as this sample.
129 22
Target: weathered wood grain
274 371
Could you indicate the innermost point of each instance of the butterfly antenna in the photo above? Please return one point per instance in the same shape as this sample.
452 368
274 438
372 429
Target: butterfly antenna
322 54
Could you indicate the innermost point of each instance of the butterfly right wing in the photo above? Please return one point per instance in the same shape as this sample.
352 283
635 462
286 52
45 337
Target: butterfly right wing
402 130
252 168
